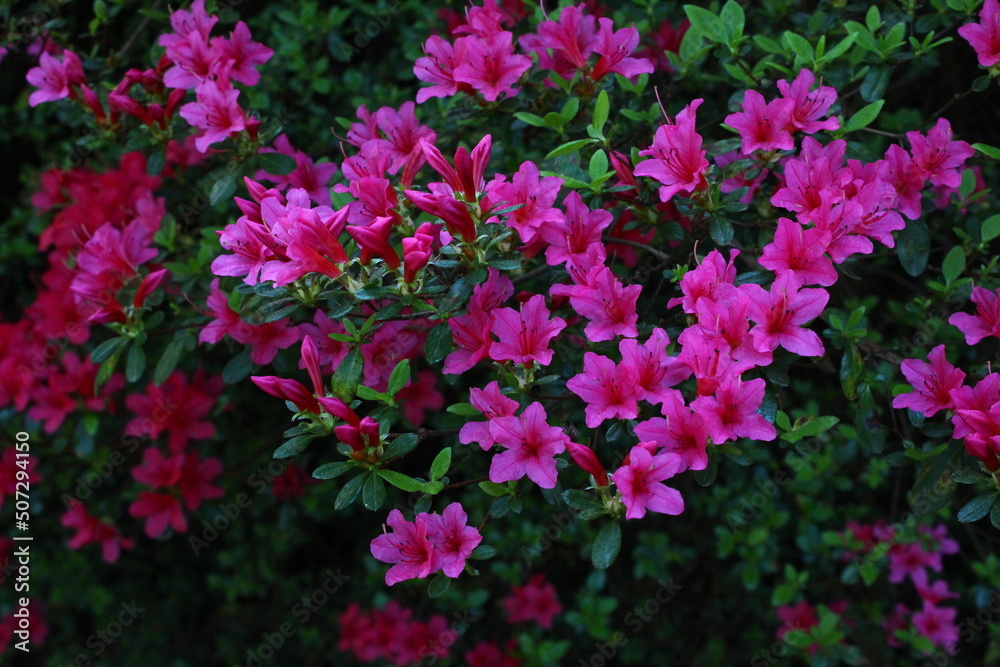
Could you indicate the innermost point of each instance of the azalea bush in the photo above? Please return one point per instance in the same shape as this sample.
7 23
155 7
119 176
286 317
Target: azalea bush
501 334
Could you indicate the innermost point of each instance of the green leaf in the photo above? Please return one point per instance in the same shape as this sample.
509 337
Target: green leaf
721 230
332 470
276 163
294 446
464 410
995 516
483 552
157 161
608 543
953 265
707 23
865 116
441 464
168 360
874 84
967 477
840 48
401 481
109 347
708 474
222 189
438 586
734 19
374 492
135 363
913 246
348 374
494 489
601 110
438 343
569 147
404 444
531 119
432 488
968 184
800 46
399 377
237 368
977 508
988 151
598 164
350 491
990 228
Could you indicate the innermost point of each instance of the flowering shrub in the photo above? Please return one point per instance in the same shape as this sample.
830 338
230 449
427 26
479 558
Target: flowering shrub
644 291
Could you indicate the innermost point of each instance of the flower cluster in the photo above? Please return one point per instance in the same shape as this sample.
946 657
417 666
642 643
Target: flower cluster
392 635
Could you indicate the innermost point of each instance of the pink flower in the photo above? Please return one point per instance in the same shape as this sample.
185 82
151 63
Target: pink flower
940 158
490 65
653 371
437 67
800 252
572 40
159 510
985 35
535 194
677 159
576 240
809 105
453 539
531 446
90 530
408 548
763 126
535 601
609 306
681 431
216 113
492 403
615 48
609 390
638 481
938 625
731 413
244 53
712 279
311 177
986 321
196 480
54 78
781 314
932 384
524 336
177 407
585 457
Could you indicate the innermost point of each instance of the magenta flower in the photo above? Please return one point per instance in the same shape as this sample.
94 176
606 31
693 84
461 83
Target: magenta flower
159 510
408 548
763 126
985 35
492 403
453 539
311 177
615 48
244 53
585 457
437 67
535 601
535 194
800 252
731 413
677 159
196 480
809 105
216 113
178 407
91 530
680 431
932 384
781 314
609 390
938 625
609 306
524 336
54 78
531 446
986 321
940 158
576 240
654 372
572 40
711 279
491 67
638 481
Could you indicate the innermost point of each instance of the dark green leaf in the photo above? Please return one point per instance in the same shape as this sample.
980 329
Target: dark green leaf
401 481
237 368
953 265
222 189
988 151
439 584
293 446
441 464
332 470
874 85
483 552
864 117
109 347
276 163
438 343
168 360
977 508
569 147
374 492
967 477
350 491
707 23
399 377
135 363
721 230
345 379
913 246
607 545
404 444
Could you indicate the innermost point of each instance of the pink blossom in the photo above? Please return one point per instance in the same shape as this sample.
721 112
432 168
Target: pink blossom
492 403
932 384
609 390
809 105
531 446
572 40
572 239
243 52
800 252
938 625
159 510
615 48
985 35
216 113
731 413
638 482
490 66
91 530
677 159
654 372
940 158
713 279
408 548
763 126
781 314
986 321
535 601
681 431
535 194
524 336
178 407
54 78
453 539
438 66
311 177
609 306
